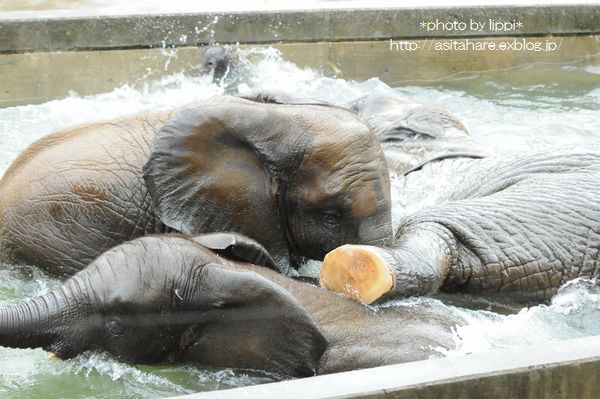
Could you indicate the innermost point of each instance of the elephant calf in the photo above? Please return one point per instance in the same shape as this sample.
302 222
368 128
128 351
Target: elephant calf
301 179
218 61
172 298
518 226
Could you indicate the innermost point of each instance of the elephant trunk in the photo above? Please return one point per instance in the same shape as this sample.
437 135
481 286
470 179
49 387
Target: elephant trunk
24 325
48 321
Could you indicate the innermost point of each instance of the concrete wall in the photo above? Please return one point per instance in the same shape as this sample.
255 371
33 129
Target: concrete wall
41 76
561 370
42 59
54 34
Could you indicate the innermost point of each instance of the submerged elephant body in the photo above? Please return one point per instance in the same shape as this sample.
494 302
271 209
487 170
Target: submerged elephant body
300 179
164 299
411 133
516 226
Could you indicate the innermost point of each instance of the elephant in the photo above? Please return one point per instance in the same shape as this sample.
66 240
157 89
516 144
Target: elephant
302 180
218 61
176 298
514 227
283 97
412 134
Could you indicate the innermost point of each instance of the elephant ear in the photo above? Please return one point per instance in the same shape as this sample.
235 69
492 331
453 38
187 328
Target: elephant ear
415 121
212 168
432 121
396 119
237 247
253 323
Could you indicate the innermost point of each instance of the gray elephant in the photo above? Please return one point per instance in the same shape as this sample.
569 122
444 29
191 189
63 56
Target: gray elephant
302 180
218 61
412 134
179 299
516 226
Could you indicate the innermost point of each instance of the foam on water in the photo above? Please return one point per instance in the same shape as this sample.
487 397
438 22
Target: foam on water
525 109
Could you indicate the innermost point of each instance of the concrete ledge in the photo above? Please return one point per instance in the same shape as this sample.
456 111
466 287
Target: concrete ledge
143 31
41 76
566 369
37 61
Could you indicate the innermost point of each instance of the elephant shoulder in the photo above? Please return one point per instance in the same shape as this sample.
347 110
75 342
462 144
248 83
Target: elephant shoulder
41 145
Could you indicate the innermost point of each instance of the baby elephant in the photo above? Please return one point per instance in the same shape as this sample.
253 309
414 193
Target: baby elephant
517 226
175 298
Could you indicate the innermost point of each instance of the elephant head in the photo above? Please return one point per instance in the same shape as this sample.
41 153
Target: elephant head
300 179
219 61
164 299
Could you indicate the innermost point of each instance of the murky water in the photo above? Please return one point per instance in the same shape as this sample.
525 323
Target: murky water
527 108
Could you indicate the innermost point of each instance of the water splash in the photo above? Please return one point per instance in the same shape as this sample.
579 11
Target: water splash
573 312
208 28
19 283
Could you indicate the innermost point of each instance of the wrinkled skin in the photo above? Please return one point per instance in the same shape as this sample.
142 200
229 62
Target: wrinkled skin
517 227
74 194
301 180
281 97
169 299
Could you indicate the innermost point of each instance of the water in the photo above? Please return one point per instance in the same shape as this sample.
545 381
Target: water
528 108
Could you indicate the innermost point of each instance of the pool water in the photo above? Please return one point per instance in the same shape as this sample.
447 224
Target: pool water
527 108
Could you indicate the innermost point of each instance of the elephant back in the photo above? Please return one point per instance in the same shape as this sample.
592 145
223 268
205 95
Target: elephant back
74 194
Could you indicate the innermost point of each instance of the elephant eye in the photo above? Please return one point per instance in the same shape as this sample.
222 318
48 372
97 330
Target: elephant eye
331 216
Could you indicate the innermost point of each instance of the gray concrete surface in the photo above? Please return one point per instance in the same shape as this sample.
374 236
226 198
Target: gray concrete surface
37 77
565 370
45 55
46 33
33 8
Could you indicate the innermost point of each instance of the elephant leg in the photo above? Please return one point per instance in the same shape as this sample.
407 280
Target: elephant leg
416 264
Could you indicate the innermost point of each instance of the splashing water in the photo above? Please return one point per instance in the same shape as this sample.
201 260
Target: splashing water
528 108
573 312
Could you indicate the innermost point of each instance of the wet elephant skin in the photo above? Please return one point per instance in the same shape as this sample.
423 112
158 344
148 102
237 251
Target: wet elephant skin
300 179
169 299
